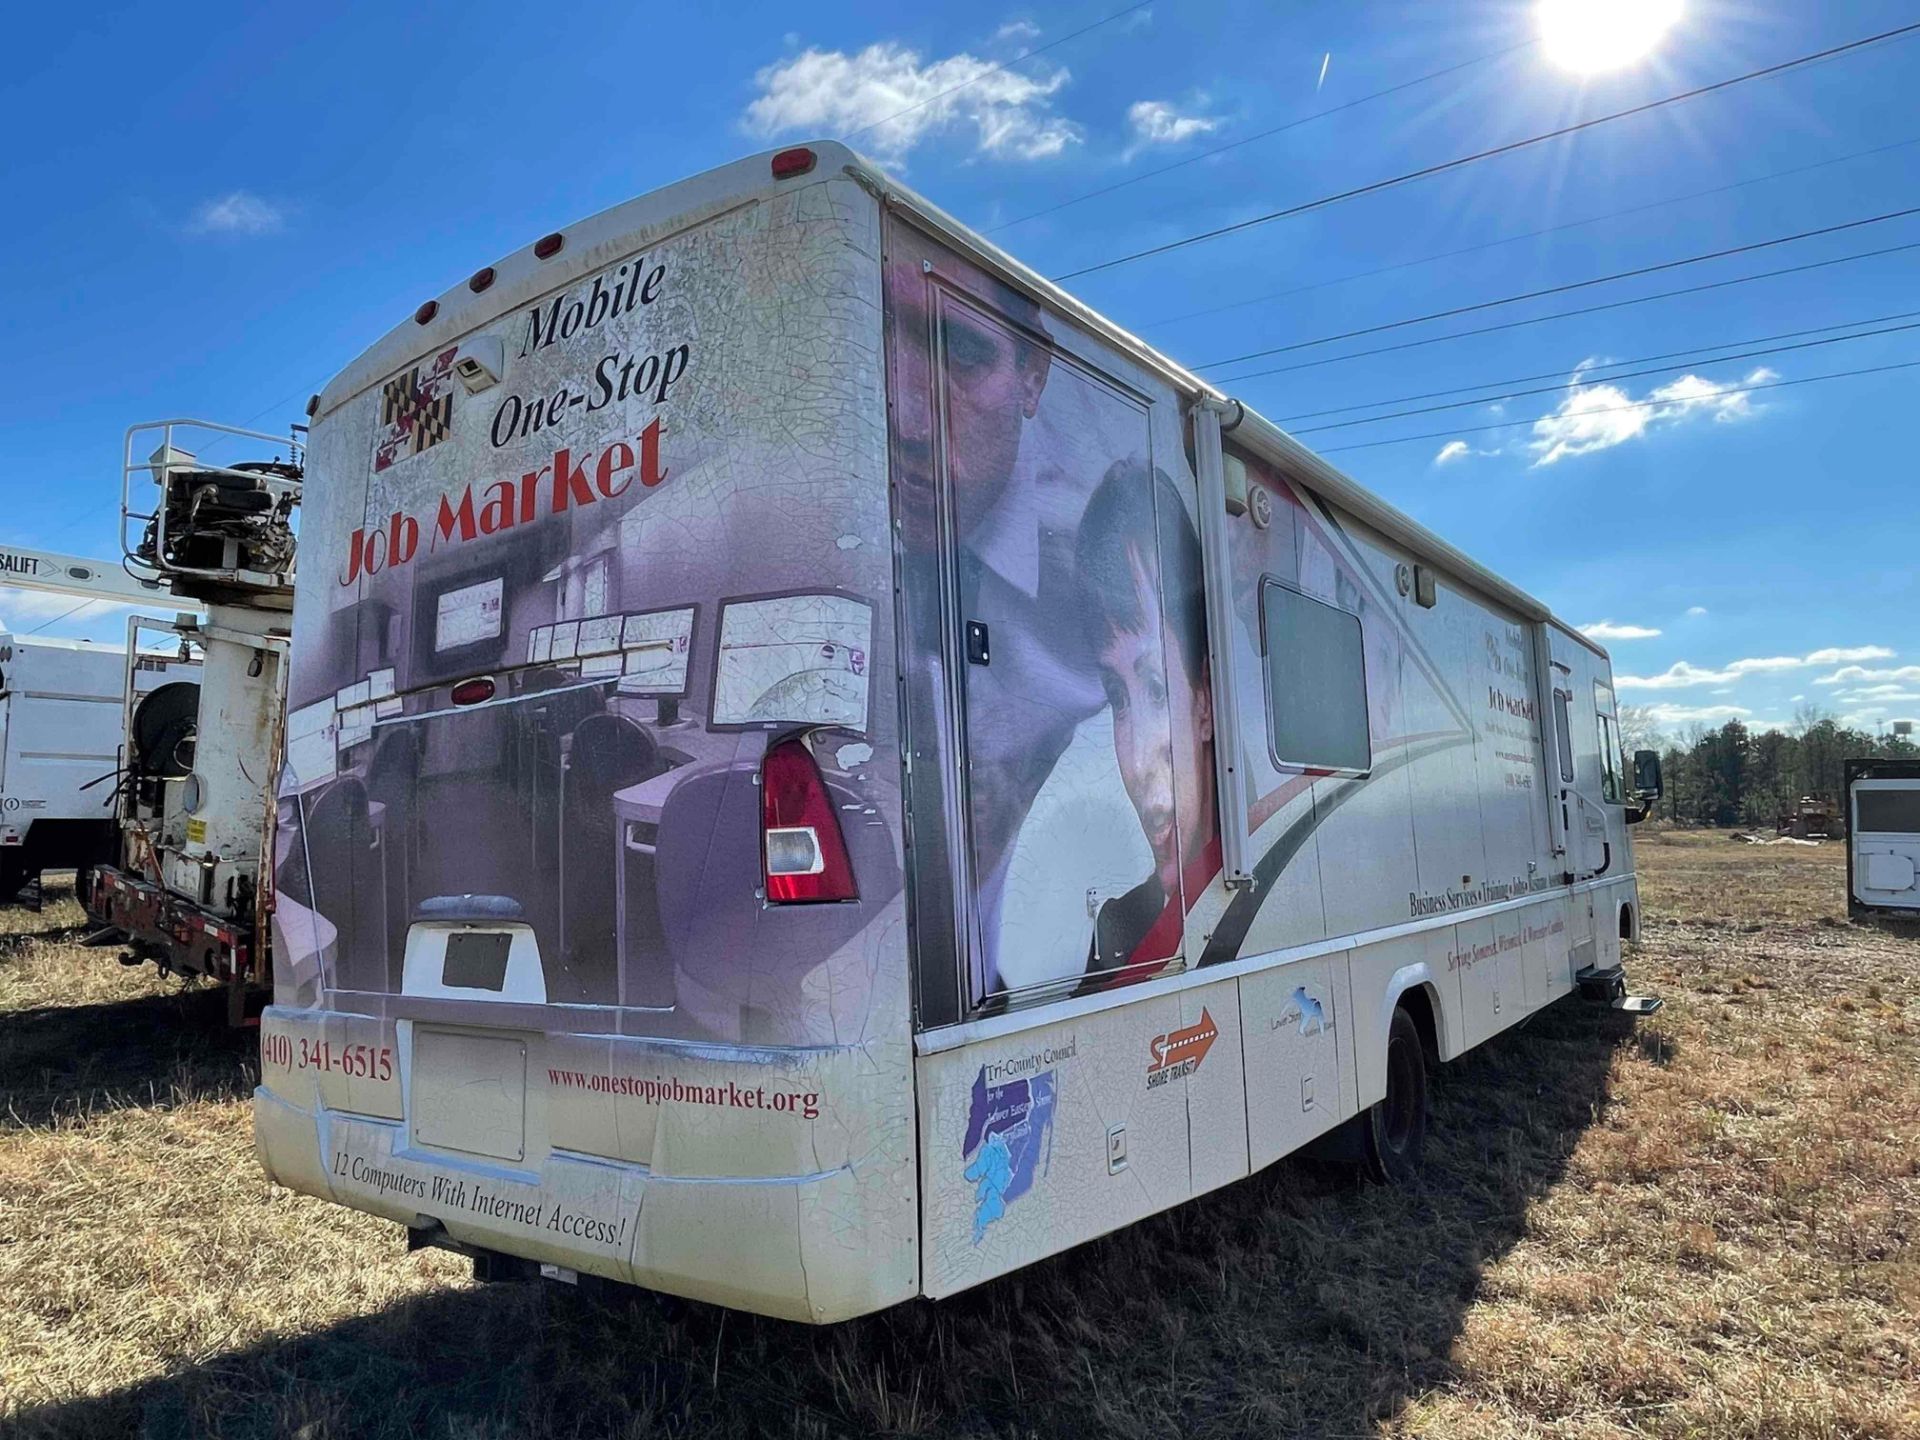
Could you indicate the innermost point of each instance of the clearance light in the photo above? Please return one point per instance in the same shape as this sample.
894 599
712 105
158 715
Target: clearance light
789 163
804 852
548 246
473 692
426 312
481 279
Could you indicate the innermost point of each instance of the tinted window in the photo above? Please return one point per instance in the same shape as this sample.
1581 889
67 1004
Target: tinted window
1316 682
1563 735
1888 811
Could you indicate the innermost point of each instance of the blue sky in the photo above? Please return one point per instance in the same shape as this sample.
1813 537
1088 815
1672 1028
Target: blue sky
224 204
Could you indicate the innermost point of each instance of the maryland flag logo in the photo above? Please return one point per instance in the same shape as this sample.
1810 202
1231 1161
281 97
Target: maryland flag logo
416 410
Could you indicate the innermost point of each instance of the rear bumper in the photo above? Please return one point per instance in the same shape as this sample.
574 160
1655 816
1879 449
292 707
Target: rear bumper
797 1237
162 926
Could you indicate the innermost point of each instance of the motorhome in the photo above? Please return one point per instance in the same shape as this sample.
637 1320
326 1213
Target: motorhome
820 771
60 723
196 801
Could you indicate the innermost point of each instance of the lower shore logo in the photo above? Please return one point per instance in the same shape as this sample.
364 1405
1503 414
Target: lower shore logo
1179 1052
1009 1140
1308 1012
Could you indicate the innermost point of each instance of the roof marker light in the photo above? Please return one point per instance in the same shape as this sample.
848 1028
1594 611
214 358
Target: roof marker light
426 312
797 161
474 691
548 246
481 279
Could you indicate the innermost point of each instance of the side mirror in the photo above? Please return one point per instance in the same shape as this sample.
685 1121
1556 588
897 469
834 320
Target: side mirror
1646 775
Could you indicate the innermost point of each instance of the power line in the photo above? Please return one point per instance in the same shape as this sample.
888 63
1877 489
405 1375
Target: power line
1581 378
1697 351
58 618
1636 405
1571 285
1507 149
1570 314
1525 235
1263 135
997 68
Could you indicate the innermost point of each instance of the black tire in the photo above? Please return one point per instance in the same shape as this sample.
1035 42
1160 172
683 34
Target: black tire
13 875
1394 1132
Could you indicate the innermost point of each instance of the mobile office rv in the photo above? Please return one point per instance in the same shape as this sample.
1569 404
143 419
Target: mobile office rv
60 706
822 771
1883 837
196 795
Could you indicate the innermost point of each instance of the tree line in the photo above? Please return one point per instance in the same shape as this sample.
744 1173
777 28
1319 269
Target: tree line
1731 776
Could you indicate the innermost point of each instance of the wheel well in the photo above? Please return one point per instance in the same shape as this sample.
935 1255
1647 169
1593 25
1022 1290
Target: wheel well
1419 1006
1626 921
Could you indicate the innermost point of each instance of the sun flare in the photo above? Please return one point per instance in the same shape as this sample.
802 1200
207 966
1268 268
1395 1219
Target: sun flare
1589 36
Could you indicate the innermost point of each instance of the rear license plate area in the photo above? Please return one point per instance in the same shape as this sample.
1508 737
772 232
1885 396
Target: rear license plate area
469 1093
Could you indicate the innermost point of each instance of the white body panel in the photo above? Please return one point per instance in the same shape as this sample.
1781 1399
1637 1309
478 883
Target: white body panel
60 717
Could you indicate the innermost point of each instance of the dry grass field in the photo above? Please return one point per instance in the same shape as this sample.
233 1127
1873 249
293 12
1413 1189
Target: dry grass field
1702 1227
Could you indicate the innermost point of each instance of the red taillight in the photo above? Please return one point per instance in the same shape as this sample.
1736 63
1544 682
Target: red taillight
801 846
480 279
548 246
426 312
789 163
473 692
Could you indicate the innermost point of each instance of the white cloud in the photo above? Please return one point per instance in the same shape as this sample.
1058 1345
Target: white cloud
1848 673
238 213
1694 612
1690 714
1682 674
1451 451
1156 122
896 101
1881 693
1021 30
1600 416
1607 630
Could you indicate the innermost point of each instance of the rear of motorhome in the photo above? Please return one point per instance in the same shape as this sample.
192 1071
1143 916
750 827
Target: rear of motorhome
1883 837
819 770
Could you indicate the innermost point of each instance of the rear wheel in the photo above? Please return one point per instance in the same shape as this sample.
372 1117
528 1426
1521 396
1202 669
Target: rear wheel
1395 1130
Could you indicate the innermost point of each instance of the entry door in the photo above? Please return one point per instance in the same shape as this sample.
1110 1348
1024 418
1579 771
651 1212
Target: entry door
1575 773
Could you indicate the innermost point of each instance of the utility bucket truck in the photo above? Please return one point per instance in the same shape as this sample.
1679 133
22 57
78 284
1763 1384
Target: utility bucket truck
195 799
60 723
820 770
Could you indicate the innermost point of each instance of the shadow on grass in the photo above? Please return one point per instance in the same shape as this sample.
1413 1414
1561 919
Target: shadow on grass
1290 1304
68 1060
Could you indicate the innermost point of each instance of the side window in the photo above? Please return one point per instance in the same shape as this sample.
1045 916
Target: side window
1316 681
1611 789
1563 736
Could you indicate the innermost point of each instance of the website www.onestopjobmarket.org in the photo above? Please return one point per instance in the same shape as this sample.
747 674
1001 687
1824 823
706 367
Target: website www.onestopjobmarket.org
671 1090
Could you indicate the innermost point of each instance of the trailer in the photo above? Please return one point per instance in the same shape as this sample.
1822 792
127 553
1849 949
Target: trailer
60 710
1883 837
195 799
820 771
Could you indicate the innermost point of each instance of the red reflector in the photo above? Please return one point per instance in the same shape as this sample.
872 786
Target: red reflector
789 163
548 246
472 692
481 279
426 312
802 850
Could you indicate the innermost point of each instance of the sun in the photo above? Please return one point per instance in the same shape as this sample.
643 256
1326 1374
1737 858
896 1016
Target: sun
1588 36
